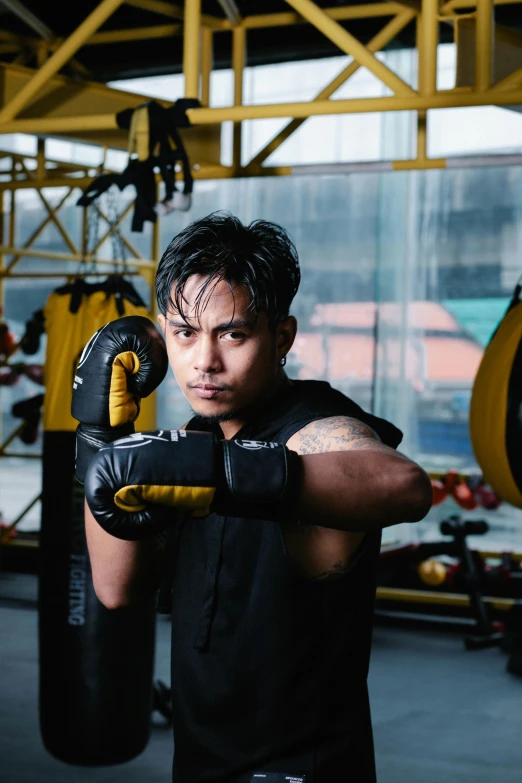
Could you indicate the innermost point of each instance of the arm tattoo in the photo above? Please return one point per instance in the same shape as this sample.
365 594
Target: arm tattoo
336 572
337 433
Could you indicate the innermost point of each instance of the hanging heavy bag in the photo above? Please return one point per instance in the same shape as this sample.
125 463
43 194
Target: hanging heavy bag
96 665
496 407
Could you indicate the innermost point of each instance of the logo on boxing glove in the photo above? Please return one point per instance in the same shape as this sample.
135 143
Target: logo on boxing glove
254 445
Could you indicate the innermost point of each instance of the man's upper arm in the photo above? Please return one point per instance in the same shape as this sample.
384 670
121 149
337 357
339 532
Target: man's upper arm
335 433
335 549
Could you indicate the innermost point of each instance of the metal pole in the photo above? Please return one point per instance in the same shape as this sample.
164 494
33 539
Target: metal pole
207 39
427 41
238 64
191 29
484 45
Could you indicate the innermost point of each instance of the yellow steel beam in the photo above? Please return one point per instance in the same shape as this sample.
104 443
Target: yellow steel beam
484 45
433 597
31 252
60 125
191 30
8 35
36 233
207 40
10 438
238 65
444 99
455 4
9 48
158 7
413 5
12 214
48 182
156 255
350 45
422 136
50 210
380 40
428 38
57 222
135 34
510 82
163 8
288 18
64 53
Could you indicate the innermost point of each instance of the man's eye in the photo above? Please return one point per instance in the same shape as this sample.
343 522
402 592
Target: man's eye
234 336
184 334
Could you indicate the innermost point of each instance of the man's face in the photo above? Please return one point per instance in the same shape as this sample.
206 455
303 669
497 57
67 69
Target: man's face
224 358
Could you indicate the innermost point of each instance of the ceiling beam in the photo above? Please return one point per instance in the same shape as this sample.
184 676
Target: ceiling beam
350 45
63 54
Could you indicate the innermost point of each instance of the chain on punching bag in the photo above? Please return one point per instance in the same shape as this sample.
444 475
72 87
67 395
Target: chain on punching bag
96 665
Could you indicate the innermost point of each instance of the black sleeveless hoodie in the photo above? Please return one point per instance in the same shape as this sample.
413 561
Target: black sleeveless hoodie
269 669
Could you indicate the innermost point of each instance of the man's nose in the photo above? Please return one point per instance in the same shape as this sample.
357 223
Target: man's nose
206 356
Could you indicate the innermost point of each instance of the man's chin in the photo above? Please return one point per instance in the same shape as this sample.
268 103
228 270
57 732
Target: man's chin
212 413
214 418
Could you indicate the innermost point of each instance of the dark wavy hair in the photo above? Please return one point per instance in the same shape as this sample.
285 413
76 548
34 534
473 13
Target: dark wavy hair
260 256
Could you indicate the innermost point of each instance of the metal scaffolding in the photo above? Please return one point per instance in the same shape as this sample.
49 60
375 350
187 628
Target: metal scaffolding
491 84
30 99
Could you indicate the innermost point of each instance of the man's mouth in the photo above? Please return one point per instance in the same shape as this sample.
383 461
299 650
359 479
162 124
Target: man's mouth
208 391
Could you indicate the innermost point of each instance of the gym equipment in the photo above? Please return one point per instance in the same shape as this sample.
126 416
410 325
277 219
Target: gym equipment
495 410
96 665
456 572
468 492
487 632
30 411
7 340
34 329
154 142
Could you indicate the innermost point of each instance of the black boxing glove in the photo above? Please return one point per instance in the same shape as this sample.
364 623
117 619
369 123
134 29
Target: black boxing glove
122 363
133 484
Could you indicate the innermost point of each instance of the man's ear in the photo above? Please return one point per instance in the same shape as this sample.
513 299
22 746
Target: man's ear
161 321
285 336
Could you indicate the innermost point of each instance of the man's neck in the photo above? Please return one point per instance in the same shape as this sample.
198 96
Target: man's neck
233 426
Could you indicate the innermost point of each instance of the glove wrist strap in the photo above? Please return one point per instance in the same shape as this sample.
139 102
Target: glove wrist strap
90 439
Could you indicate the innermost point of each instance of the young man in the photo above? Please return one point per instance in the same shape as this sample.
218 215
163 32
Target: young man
271 609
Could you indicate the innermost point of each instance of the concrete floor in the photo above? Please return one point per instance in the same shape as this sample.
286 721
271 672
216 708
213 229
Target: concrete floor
440 713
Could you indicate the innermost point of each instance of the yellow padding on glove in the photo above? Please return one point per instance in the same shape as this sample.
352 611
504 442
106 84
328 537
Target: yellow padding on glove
124 407
136 497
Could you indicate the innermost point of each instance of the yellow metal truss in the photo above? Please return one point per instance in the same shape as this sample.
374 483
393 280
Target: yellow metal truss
45 102
198 31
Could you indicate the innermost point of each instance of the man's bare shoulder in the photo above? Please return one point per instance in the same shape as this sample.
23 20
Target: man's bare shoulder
335 433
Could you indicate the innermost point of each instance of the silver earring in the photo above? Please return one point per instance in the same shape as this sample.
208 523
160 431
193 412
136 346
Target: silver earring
282 361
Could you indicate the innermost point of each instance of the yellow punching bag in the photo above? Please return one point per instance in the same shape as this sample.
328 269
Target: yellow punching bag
95 665
496 407
68 332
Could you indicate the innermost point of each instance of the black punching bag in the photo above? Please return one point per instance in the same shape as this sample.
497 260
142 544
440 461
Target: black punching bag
96 665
